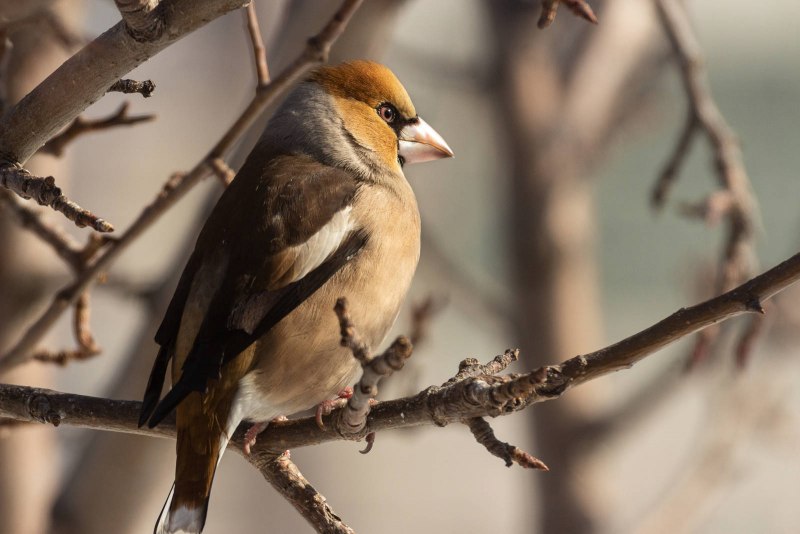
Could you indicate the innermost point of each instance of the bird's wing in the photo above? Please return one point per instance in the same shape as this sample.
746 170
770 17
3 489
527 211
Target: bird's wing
280 231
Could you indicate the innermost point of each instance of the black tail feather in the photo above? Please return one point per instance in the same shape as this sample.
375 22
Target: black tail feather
154 385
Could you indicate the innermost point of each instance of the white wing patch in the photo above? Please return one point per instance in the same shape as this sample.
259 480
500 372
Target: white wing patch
321 245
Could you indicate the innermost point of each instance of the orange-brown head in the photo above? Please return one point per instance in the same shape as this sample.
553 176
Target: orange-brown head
377 112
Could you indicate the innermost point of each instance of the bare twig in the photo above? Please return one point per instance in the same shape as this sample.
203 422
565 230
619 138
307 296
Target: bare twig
421 315
80 126
353 417
666 178
179 184
284 476
580 8
735 202
471 367
508 453
259 50
62 243
221 170
87 347
738 203
144 88
45 191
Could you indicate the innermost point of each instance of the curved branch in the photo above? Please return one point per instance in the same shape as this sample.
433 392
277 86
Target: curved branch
471 396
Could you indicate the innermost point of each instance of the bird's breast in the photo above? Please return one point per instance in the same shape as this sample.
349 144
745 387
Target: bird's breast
299 362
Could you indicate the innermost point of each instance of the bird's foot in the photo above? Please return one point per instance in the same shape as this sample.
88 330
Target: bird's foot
327 406
250 435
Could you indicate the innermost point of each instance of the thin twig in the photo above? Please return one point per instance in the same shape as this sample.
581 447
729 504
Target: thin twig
178 185
471 367
87 347
144 88
508 453
61 242
736 201
80 126
259 50
421 315
45 191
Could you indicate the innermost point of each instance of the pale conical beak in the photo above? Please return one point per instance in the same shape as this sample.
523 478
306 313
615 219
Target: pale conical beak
419 142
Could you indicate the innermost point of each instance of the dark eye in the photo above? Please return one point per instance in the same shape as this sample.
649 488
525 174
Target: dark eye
387 112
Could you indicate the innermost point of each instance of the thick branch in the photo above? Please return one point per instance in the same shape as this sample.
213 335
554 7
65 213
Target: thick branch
474 396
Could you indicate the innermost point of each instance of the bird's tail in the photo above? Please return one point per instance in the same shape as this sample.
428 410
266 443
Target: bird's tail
187 503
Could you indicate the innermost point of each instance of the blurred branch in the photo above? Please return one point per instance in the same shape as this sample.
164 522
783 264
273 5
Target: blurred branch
144 88
315 53
259 50
466 396
739 413
61 242
87 347
735 201
579 8
80 126
421 315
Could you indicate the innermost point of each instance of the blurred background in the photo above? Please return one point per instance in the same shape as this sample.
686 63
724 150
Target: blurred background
538 235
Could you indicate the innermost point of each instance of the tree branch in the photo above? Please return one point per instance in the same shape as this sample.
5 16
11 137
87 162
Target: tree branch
735 201
80 126
46 193
579 8
125 86
468 397
285 477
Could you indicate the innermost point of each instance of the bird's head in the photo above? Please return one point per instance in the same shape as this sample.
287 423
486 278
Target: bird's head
356 115
377 112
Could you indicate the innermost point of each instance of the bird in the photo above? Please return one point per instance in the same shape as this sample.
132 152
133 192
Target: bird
320 209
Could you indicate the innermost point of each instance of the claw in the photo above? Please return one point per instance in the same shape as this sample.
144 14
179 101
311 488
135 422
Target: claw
250 436
327 406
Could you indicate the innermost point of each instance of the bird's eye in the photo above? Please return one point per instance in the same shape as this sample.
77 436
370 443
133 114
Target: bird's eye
387 112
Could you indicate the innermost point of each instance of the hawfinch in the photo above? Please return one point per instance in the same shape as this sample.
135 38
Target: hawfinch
320 210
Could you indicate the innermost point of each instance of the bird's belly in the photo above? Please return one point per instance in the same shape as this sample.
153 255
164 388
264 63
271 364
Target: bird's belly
301 363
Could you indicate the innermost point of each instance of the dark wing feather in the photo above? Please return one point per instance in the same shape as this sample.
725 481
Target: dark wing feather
278 205
206 359
165 336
